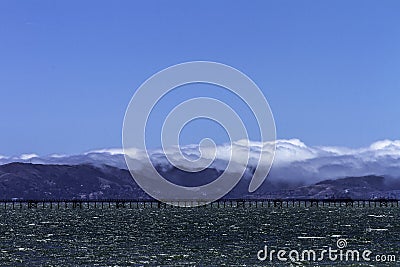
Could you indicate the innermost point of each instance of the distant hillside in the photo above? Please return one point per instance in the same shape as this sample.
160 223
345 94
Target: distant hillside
38 181
366 187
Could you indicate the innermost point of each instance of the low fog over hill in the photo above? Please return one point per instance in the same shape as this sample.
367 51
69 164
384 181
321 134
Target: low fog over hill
298 171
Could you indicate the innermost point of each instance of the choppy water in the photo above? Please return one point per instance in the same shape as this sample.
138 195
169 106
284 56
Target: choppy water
193 237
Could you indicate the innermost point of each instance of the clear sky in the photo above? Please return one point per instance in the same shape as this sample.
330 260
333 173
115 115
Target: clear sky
329 69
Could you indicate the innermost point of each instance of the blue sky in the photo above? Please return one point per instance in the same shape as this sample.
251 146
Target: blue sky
329 69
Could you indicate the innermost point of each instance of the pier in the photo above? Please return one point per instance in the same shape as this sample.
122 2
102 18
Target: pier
222 203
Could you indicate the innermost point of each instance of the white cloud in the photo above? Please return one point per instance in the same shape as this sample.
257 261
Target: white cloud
28 156
111 151
294 160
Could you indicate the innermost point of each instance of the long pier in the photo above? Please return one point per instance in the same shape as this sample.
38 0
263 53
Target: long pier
222 203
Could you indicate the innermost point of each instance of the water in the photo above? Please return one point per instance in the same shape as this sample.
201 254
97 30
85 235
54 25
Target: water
193 237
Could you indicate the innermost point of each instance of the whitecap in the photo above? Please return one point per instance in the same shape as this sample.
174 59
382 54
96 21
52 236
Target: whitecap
310 237
376 229
376 216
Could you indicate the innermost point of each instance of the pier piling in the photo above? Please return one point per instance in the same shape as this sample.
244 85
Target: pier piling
222 203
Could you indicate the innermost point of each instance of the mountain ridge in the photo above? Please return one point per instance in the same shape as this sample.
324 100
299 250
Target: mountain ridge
85 181
293 161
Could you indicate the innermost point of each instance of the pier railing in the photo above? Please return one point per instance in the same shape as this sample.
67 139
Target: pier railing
222 203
